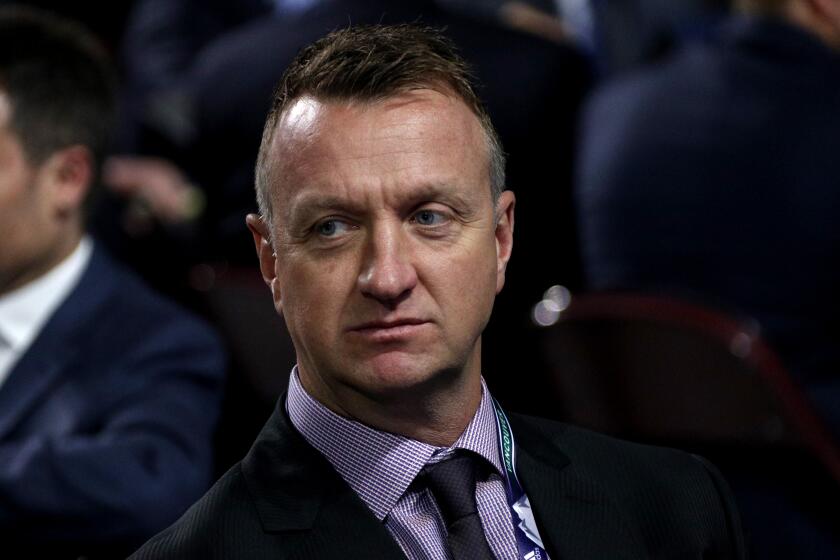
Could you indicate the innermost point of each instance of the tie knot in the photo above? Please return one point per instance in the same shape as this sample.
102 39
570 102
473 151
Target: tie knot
452 483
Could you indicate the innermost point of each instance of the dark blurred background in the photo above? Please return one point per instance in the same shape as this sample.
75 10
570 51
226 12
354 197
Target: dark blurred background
676 249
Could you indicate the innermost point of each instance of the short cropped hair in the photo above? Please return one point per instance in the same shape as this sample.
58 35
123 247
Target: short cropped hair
58 80
371 63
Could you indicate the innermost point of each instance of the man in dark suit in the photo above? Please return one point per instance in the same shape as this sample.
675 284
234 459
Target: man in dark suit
384 235
108 394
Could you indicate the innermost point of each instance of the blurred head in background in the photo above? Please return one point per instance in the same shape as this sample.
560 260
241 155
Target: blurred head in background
56 111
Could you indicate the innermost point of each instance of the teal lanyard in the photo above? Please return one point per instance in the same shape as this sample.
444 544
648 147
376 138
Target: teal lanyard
528 540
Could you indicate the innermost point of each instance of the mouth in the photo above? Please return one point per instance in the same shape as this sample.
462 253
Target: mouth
390 324
391 330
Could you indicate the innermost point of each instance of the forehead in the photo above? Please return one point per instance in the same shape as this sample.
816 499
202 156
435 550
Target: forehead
419 136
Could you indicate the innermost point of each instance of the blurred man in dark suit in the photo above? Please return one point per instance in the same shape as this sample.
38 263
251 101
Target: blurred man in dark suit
714 175
108 394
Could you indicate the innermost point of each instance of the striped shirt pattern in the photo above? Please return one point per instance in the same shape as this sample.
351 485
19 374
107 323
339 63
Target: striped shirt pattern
380 467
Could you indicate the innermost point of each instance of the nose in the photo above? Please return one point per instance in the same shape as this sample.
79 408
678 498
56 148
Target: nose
387 273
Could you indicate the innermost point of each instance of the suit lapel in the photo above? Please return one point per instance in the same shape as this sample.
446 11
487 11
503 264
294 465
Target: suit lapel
577 518
46 360
297 493
31 377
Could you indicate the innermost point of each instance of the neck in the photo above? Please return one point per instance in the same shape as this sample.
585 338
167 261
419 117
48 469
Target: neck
436 413
37 267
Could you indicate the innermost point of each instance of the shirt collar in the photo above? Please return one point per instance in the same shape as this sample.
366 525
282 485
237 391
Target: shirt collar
24 311
380 466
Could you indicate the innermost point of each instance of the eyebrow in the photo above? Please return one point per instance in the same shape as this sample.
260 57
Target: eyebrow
312 203
308 204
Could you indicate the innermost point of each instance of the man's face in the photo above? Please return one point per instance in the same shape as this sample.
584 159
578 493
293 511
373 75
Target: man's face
27 229
388 253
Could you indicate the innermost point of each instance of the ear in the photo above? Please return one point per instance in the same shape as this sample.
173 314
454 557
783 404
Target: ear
69 173
266 255
504 235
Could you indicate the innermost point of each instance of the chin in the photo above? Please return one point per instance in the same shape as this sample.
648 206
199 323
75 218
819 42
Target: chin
398 372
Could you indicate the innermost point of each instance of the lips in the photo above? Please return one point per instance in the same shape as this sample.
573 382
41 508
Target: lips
392 330
390 324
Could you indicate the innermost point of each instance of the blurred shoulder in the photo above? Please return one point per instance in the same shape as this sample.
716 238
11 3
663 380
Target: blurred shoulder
138 308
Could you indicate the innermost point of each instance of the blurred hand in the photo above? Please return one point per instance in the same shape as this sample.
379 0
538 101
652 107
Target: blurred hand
156 183
529 19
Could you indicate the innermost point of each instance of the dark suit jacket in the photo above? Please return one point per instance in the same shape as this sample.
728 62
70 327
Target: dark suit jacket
594 497
106 421
715 176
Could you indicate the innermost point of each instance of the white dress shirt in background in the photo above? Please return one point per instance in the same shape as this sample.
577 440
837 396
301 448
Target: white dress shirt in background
25 311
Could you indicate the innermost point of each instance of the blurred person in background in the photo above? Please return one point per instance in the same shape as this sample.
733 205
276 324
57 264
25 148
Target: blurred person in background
714 176
108 393
618 35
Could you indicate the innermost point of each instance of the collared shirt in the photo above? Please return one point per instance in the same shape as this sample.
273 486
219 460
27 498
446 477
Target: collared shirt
25 311
382 467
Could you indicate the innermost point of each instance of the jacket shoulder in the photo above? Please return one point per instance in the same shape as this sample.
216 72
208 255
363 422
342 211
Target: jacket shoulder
127 296
669 495
611 461
223 524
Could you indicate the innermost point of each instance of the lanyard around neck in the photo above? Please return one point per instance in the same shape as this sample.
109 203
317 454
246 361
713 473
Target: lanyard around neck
528 540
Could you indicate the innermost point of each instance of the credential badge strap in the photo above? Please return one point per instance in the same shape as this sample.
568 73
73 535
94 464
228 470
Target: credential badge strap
528 539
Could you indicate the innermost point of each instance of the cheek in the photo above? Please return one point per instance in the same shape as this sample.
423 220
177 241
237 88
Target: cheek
21 220
313 292
465 279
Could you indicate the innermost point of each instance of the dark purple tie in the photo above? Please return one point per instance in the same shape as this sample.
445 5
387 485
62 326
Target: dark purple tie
452 483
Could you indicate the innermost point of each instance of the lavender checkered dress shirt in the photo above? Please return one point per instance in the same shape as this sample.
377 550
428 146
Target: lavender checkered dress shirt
380 468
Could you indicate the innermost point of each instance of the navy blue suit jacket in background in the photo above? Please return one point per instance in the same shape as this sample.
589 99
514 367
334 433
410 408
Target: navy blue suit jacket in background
106 421
716 176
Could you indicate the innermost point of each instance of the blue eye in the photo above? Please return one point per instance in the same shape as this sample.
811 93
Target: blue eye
428 217
331 228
